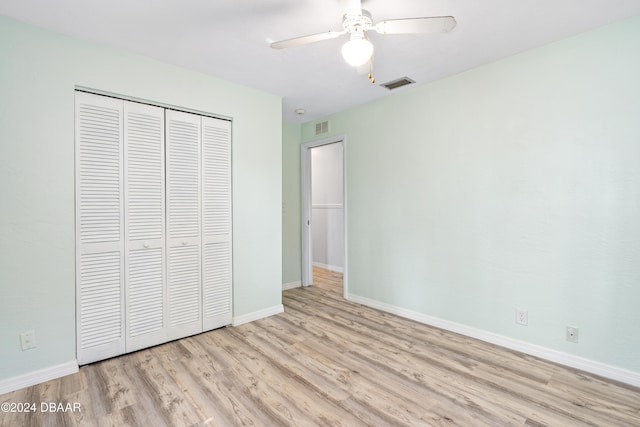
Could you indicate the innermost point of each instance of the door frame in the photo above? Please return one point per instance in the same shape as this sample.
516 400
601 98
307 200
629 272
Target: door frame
305 223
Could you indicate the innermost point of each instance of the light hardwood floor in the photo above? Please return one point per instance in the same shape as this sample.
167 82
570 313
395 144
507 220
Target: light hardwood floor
326 361
327 279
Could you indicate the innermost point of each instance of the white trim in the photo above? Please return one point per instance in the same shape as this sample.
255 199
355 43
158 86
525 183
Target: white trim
345 276
257 315
291 285
327 206
37 377
329 267
148 102
305 221
570 360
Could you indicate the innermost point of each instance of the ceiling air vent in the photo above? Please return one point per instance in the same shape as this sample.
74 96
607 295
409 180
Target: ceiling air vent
395 84
322 127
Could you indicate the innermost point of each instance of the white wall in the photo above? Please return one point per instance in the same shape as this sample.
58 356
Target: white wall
515 184
327 207
38 72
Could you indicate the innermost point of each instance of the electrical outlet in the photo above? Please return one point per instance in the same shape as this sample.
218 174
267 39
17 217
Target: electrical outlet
572 334
522 317
28 340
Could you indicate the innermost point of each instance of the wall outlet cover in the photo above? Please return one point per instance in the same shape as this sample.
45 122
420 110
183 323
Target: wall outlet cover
28 340
522 317
572 334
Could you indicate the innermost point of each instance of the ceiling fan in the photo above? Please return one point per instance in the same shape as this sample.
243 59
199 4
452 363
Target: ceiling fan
357 21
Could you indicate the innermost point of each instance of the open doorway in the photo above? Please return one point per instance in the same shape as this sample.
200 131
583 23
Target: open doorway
324 213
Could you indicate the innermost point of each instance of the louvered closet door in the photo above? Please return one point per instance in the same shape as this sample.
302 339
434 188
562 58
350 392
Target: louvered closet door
183 224
145 223
99 228
216 230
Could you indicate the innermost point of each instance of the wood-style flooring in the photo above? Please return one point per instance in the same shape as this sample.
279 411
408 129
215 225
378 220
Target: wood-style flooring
327 279
326 361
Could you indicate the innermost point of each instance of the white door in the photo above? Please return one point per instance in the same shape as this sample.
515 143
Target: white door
216 230
145 225
184 290
99 228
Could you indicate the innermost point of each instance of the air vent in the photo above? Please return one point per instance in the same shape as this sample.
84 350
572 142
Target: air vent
395 84
322 127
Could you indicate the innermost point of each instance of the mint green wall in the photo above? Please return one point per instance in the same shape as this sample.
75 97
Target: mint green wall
516 184
291 246
38 72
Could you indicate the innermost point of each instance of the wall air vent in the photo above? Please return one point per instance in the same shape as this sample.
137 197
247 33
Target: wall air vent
322 127
395 84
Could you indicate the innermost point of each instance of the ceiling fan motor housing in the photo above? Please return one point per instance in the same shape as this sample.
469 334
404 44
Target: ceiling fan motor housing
357 24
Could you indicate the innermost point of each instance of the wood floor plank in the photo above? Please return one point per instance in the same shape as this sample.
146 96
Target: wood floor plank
503 384
454 345
219 397
421 399
327 361
265 380
339 381
333 336
308 372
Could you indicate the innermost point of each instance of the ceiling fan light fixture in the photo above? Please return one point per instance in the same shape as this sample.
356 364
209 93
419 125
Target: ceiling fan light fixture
357 51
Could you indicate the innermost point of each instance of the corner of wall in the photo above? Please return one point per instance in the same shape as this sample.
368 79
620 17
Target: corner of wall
257 315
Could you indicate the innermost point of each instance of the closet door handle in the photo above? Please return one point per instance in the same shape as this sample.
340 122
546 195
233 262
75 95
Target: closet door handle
184 243
145 244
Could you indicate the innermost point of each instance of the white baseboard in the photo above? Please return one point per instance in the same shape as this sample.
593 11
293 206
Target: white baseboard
291 285
570 360
37 377
257 315
329 267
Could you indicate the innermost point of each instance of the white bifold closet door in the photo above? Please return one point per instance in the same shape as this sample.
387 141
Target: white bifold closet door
216 228
183 224
153 225
144 199
100 249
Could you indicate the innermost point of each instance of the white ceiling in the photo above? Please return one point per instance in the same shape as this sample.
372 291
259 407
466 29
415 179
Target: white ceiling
230 39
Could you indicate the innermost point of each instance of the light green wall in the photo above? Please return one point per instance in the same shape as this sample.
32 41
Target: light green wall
291 246
516 184
38 72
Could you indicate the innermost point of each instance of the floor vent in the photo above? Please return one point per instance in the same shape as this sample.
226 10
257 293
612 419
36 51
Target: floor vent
395 84
322 127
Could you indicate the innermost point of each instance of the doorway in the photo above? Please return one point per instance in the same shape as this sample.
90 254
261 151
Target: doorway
324 258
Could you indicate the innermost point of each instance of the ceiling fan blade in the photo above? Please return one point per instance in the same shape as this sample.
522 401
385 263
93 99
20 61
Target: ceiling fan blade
352 7
299 41
434 24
